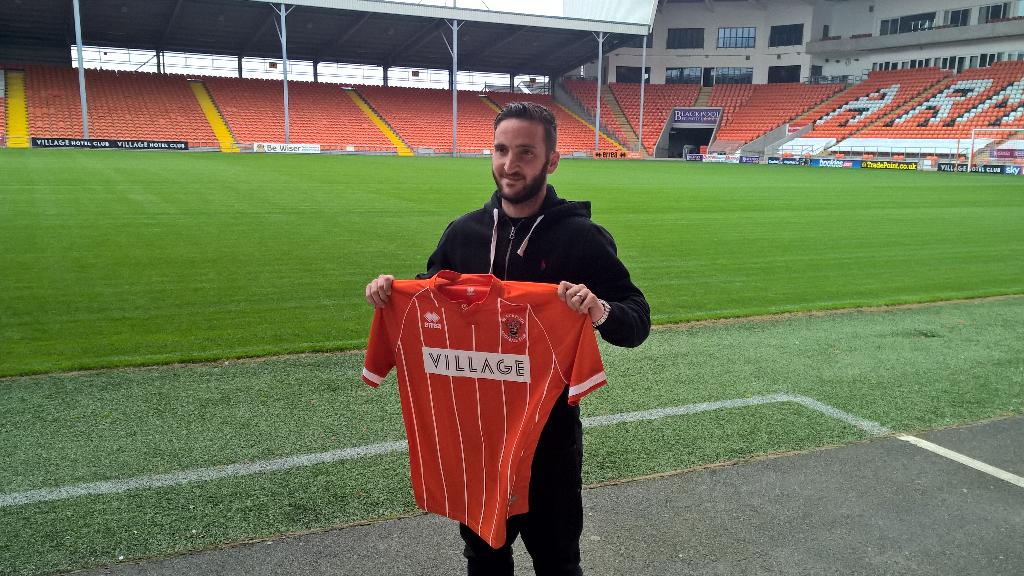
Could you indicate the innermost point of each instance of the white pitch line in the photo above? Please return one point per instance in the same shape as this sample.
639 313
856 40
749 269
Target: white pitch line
198 475
965 460
301 460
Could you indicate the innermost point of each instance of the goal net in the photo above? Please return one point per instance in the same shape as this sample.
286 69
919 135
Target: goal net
997 146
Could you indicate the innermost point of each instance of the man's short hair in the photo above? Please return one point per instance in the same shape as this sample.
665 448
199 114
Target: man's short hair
535 113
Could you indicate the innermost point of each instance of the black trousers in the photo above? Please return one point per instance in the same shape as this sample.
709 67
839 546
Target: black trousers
551 529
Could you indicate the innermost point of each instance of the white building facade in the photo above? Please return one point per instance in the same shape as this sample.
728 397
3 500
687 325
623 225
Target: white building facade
759 41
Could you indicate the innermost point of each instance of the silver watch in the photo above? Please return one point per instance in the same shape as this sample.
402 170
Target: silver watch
607 310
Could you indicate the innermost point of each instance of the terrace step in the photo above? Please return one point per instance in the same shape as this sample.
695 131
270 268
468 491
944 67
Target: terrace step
217 123
17 110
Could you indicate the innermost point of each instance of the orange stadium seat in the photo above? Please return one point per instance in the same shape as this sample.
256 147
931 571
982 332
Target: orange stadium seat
955 107
871 100
318 113
752 110
129 105
659 100
423 117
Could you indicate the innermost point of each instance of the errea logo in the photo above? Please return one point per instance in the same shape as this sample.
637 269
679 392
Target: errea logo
432 320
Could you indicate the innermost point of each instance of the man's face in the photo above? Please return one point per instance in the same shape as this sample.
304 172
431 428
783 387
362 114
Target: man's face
520 163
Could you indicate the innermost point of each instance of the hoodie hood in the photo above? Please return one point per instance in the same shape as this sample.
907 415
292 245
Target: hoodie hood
552 209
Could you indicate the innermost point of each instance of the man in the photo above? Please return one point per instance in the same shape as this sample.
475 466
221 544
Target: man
527 233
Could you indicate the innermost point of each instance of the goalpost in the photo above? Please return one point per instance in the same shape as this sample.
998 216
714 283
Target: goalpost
996 146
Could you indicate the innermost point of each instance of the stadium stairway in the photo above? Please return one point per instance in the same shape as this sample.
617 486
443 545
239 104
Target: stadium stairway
3 111
214 117
17 109
704 96
584 92
401 147
490 103
626 132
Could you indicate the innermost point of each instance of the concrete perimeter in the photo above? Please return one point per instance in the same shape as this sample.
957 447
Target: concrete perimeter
883 507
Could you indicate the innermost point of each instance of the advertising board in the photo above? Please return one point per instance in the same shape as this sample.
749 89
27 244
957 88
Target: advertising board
888 165
276 148
103 144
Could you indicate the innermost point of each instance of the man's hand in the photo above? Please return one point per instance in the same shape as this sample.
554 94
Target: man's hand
580 299
379 291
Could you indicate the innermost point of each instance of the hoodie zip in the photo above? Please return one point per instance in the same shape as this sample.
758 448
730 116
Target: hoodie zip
511 237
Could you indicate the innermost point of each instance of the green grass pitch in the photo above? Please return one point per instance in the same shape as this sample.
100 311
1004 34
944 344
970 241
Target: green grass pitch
135 258
113 259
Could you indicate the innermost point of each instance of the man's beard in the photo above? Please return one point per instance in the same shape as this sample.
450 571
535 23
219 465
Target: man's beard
531 188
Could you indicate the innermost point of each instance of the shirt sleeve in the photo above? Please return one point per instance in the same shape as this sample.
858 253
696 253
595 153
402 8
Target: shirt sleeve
380 357
587 369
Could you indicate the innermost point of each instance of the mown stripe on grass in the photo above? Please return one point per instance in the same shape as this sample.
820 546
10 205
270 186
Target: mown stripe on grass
302 460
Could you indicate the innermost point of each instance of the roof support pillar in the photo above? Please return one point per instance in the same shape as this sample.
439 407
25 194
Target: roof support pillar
600 68
282 33
511 81
316 77
81 71
454 49
643 82
239 65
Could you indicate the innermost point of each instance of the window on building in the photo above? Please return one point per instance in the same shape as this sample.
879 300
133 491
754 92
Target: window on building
631 74
737 37
787 35
683 75
778 74
917 22
974 62
734 76
960 17
904 24
685 38
993 12
637 42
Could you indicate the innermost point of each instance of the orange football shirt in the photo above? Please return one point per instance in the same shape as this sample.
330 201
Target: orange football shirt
480 364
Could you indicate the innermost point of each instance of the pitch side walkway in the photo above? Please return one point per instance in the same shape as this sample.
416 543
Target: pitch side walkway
878 508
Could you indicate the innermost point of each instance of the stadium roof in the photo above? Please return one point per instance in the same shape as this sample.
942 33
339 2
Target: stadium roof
370 32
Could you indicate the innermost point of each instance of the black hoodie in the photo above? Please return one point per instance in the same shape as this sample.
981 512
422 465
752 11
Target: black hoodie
558 243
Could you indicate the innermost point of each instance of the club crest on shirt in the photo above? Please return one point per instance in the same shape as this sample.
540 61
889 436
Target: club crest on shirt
432 320
513 328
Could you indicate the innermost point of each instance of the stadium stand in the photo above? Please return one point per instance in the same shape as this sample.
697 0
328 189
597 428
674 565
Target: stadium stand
660 99
423 117
318 114
130 105
574 135
865 103
944 118
752 110
585 93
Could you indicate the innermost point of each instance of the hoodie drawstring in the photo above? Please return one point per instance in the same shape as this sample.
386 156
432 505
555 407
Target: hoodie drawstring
494 240
522 247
